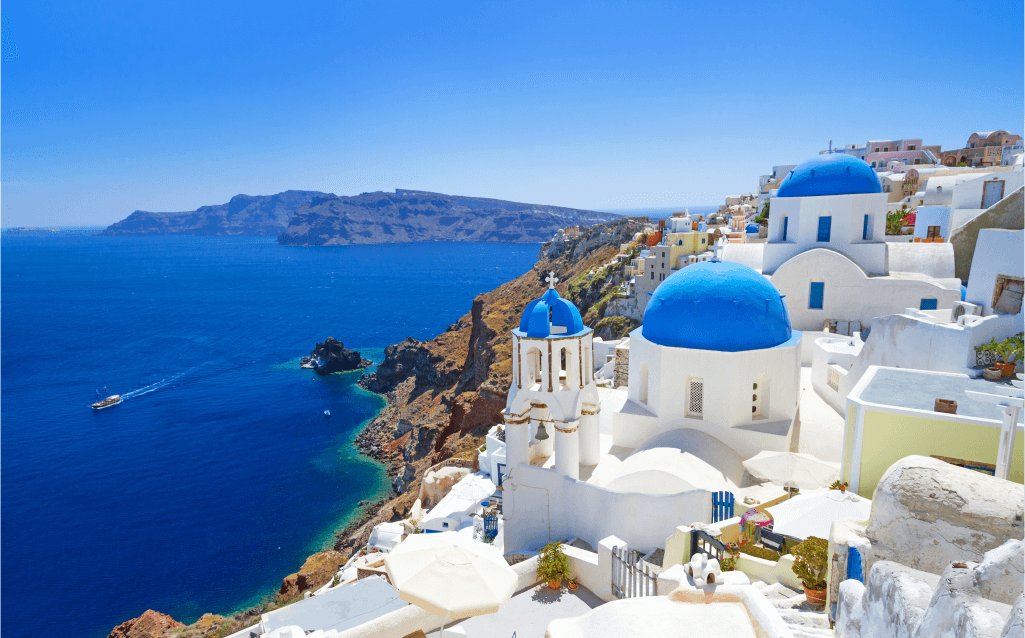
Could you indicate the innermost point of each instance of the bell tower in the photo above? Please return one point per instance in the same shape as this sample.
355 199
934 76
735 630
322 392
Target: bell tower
552 409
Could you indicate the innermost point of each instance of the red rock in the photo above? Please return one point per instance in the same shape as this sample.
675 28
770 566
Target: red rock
151 624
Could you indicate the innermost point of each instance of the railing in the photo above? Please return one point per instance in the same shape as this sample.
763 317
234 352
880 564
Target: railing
632 577
985 358
703 543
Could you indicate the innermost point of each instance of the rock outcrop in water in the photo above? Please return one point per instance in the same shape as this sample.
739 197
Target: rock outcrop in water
151 624
408 216
332 356
243 215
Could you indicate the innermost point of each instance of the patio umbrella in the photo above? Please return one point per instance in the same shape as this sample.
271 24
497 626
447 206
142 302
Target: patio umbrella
755 517
450 575
793 469
812 514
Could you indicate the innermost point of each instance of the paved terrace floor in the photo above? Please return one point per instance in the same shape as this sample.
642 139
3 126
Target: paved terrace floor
529 612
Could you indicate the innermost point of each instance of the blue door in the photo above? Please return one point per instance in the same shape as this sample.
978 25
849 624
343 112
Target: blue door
864 229
785 220
825 223
722 506
927 304
854 564
818 290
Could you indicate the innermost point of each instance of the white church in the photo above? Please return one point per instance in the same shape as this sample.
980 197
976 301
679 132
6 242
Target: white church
713 380
827 250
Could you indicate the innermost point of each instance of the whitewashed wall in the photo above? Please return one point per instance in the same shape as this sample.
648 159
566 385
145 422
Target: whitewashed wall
997 252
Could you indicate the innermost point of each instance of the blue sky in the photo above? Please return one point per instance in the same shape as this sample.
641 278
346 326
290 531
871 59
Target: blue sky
112 107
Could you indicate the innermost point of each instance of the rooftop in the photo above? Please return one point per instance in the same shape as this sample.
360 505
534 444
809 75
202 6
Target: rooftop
528 613
919 389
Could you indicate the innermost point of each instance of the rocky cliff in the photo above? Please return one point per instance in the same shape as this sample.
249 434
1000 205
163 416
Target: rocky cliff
243 215
408 216
444 394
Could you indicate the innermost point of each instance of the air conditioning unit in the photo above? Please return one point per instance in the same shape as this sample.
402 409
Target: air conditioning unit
962 308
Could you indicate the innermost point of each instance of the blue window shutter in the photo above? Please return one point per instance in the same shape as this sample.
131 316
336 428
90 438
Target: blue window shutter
785 220
818 289
864 229
927 304
825 223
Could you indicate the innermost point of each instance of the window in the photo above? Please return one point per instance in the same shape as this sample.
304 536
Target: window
927 303
877 150
652 274
918 160
758 390
833 379
886 149
933 232
816 295
702 240
825 223
642 391
695 398
1007 295
865 229
911 147
785 220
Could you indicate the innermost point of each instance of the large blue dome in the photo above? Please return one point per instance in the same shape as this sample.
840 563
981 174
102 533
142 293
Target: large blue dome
551 315
717 305
830 174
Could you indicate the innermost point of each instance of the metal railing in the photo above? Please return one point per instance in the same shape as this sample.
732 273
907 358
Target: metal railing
632 577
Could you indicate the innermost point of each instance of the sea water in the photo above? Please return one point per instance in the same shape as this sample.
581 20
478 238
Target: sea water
219 473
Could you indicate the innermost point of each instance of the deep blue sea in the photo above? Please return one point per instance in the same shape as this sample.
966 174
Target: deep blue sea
221 473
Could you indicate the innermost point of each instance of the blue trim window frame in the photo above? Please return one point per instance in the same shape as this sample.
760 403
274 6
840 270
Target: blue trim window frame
816 294
501 472
825 225
785 224
864 229
927 303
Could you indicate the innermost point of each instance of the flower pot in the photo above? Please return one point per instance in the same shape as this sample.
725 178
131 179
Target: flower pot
554 584
815 596
993 373
572 585
1008 369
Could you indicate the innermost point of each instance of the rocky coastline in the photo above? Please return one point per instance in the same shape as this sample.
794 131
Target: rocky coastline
442 396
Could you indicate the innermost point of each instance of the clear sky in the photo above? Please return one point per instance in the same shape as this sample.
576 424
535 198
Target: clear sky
109 107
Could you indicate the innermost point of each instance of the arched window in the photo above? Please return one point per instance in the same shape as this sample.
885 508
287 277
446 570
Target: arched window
534 371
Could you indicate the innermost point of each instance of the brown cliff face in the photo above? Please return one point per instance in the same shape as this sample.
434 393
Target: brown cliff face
444 394
151 624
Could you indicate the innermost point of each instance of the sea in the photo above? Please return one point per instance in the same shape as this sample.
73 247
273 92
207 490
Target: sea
220 471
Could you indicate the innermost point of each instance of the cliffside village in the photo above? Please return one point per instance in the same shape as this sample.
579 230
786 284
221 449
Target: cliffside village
815 429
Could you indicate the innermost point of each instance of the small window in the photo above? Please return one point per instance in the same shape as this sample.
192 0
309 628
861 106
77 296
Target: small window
825 223
927 303
933 232
785 220
816 295
864 229
696 398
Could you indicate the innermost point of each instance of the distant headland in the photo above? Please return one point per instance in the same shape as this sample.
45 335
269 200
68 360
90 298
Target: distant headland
310 218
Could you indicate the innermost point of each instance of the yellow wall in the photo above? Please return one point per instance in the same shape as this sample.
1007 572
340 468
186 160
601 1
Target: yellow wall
889 437
848 448
691 244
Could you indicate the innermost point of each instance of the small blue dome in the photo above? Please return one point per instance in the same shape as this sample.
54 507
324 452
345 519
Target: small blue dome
551 315
752 229
830 174
717 305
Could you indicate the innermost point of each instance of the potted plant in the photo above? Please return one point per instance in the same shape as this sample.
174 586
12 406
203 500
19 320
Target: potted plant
811 561
573 582
729 561
552 565
1009 350
837 485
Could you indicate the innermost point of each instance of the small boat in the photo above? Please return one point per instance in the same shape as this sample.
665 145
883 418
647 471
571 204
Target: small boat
327 412
113 399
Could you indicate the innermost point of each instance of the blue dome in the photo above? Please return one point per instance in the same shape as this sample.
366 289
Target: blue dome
717 305
752 229
830 174
551 315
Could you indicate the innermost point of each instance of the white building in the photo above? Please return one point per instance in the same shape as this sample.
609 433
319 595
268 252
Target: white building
827 250
656 465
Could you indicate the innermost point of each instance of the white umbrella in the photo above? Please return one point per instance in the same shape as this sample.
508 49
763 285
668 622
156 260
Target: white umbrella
812 514
793 469
450 575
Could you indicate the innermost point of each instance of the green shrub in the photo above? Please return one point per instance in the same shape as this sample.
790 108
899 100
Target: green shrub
552 563
760 552
811 560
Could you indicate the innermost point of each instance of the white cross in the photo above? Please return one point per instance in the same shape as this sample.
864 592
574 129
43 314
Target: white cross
717 248
551 279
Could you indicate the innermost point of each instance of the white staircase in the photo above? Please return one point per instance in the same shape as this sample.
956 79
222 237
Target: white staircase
803 619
